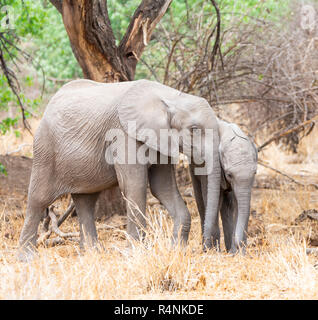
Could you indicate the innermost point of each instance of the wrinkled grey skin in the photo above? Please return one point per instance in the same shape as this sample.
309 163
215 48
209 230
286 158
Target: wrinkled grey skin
238 157
69 155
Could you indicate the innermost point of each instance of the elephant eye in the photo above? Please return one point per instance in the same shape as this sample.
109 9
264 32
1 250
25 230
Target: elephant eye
194 127
229 176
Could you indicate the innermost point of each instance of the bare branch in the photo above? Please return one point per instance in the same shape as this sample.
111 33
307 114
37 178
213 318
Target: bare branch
58 240
54 227
69 211
169 59
217 44
139 31
262 163
285 133
11 77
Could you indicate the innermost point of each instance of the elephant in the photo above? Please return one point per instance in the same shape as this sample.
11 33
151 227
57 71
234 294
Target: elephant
238 158
76 151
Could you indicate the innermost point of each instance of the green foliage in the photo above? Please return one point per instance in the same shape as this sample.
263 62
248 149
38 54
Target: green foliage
6 124
52 47
6 94
40 27
3 169
42 34
120 12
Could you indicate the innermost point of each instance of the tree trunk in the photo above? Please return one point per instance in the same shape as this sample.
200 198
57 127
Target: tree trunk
94 46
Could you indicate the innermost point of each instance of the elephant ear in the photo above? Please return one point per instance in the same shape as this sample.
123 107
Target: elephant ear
146 116
255 150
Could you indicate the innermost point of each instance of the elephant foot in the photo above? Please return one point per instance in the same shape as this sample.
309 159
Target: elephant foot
238 250
209 244
91 247
27 255
132 243
212 242
135 236
181 241
128 250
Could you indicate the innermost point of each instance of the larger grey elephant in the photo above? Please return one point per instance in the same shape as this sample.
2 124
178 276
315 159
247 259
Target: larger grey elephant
238 158
70 146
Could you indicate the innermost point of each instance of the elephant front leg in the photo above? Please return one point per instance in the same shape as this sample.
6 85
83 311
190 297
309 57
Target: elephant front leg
200 201
163 186
199 184
132 181
228 212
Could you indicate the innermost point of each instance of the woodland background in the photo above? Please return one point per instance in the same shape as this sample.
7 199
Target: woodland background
256 63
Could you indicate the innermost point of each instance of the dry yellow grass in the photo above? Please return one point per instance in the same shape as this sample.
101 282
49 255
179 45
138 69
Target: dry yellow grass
275 267
19 146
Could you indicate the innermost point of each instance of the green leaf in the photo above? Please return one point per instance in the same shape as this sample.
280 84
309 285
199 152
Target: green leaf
3 170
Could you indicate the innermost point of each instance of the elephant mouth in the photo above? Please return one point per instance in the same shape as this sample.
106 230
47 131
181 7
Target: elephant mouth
228 189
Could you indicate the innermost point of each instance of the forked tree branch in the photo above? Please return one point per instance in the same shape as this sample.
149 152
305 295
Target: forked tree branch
54 227
93 42
142 24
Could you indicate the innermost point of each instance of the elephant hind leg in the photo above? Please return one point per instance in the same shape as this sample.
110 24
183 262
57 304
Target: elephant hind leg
164 187
85 207
41 194
28 236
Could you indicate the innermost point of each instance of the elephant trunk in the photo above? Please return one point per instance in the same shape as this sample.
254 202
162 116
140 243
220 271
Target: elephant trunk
243 197
211 234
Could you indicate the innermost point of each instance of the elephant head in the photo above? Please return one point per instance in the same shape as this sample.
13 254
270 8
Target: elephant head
238 157
157 111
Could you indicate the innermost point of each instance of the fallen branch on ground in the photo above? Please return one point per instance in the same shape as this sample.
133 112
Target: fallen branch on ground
21 146
285 133
58 240
69 211
286 175
312 251
54 227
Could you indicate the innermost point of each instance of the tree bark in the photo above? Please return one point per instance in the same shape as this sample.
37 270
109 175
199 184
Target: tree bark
94 46
93 42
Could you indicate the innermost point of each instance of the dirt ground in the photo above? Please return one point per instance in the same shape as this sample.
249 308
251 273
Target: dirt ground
282 225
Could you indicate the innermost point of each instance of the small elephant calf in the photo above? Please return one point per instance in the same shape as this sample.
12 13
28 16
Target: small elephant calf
238 158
